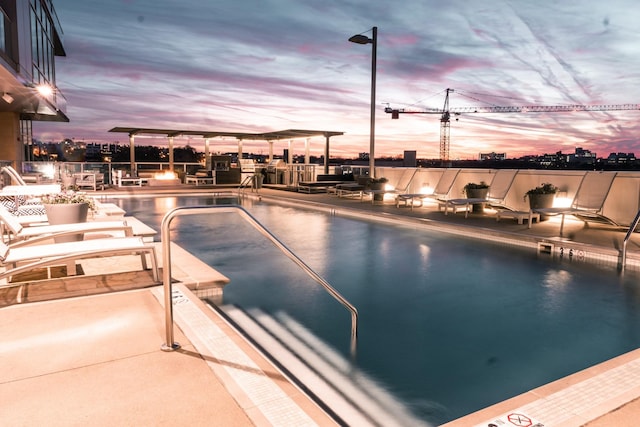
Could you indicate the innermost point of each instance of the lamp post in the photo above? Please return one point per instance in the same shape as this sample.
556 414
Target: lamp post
362 39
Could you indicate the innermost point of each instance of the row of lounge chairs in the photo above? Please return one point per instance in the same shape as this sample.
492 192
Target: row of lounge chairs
587 203
29 248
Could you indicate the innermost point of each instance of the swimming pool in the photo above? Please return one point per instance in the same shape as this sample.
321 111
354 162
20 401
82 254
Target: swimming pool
448 325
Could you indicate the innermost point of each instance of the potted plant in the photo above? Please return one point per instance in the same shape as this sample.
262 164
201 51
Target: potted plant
476 191
377 184
541 197
67 207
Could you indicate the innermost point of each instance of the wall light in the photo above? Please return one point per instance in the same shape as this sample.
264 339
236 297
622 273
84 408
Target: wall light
44 90
7 98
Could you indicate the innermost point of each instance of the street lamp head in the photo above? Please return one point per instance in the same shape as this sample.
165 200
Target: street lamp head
360 39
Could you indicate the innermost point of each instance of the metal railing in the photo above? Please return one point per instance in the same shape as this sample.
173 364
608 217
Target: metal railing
247 182
170 345
632 228
57 170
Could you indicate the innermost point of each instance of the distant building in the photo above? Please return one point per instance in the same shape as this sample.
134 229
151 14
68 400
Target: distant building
621 159
410 159
493 156
30 39
100 152
583 157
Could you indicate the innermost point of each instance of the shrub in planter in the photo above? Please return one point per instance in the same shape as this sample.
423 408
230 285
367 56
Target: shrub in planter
471 189
377 184
476 191
541 197
67 207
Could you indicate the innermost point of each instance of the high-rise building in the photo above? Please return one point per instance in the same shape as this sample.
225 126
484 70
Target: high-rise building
30 39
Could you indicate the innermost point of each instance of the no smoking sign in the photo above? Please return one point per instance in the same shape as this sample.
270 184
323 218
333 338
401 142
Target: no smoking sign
519 420
513 419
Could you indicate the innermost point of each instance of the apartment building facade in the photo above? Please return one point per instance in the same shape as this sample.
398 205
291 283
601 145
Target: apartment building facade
30 39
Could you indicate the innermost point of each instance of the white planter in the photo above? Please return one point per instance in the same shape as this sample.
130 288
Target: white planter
67 213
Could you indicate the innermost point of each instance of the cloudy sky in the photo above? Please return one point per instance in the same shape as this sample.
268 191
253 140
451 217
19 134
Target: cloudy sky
267 65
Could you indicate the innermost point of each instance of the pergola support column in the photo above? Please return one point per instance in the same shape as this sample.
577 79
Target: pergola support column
171 153
132 154
306 151
326 155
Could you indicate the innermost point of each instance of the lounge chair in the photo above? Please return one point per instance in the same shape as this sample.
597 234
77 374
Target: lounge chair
401 187
47 255
350 189
441 191
15 176
25 199
498 188
589 199
14 231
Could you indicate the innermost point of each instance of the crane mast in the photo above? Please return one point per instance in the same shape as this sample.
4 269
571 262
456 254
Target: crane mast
445 129
445 114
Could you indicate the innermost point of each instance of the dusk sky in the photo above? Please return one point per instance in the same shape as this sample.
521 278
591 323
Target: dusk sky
267 65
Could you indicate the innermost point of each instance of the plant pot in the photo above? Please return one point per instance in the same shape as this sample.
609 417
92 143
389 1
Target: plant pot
68 213
477 193
377 186
541 201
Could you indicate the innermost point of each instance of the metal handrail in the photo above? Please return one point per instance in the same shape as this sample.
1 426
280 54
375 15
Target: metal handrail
632 228
170 345
246 182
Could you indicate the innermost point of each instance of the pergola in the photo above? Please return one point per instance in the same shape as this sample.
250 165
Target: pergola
270 137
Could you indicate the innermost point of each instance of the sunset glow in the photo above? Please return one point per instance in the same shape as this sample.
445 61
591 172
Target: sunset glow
268 65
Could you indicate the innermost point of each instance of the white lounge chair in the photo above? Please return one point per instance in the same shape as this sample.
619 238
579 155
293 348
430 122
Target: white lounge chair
498 189
14 231
440 192
15 176
589 199
25 199
27 258
400 187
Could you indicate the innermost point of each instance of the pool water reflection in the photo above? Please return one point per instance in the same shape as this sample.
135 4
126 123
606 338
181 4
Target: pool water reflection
449 325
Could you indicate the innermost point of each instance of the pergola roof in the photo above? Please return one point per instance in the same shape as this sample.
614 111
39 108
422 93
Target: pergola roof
266 136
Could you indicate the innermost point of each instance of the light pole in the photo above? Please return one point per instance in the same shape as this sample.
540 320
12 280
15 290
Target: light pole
362 39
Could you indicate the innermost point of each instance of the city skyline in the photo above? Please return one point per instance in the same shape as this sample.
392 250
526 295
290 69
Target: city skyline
272 65
96 146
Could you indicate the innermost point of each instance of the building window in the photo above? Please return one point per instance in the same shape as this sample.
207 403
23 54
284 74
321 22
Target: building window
3 31
7 32
42 43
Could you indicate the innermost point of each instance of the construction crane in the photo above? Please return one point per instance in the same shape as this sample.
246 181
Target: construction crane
445 114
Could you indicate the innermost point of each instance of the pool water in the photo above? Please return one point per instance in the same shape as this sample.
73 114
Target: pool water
448 325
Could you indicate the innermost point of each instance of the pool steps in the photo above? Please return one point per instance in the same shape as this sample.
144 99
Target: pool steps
353 397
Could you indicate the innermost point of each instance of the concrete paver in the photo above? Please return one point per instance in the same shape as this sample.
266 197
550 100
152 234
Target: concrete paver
96 361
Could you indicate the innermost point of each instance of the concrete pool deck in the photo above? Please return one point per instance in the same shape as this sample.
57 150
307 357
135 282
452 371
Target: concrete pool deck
71 361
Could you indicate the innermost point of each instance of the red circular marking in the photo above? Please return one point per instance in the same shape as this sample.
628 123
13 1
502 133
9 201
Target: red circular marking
519 420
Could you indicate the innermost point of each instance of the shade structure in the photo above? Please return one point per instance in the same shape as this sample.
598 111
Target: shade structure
263 136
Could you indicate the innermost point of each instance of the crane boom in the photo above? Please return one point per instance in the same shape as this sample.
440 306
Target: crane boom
446 112
520 109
